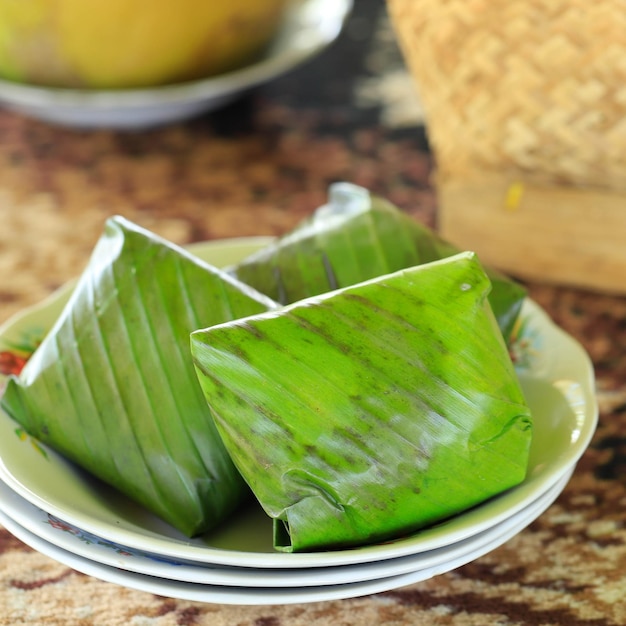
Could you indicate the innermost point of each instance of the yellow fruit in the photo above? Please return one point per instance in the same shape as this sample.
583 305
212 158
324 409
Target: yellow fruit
130 43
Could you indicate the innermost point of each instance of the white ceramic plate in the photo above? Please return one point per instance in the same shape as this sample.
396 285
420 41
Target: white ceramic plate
389 576
554 371
309 27
84 544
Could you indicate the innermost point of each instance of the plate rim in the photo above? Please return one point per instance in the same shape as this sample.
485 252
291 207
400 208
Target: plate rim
263 595
30 516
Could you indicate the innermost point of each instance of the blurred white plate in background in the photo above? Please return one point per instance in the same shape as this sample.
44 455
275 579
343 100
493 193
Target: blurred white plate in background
309 27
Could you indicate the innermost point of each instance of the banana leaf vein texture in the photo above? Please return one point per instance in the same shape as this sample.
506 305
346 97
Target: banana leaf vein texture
354 237
369 412
113 387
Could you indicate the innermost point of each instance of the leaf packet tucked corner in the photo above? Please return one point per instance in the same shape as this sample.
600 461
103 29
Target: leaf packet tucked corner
357 236
113 387
369 412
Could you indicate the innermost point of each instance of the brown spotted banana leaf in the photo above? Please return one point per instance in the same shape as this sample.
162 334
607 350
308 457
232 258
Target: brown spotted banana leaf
369 412
113 387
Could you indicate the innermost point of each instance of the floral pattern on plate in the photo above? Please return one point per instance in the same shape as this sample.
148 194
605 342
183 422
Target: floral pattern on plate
16 354
91 539
525 343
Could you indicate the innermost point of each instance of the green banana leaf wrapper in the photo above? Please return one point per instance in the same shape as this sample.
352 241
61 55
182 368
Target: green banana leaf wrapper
355 237
113 387
369 412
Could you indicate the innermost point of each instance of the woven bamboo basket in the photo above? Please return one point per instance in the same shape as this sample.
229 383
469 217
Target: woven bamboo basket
525 104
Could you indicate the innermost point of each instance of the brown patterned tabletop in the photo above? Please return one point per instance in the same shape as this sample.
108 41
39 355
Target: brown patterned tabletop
258 167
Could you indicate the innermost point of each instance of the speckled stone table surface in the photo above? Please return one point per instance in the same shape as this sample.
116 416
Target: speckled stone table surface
258 167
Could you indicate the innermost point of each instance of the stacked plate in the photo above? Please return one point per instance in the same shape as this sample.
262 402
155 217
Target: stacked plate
59 510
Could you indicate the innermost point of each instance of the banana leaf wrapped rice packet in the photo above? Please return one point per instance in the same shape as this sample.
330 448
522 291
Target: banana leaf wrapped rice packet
369 412
113 387
354 237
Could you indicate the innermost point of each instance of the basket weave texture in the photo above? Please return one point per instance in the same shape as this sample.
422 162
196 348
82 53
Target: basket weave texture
531 88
